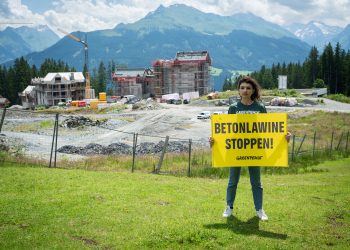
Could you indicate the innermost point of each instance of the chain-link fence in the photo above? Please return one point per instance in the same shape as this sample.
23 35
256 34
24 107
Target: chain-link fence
71 140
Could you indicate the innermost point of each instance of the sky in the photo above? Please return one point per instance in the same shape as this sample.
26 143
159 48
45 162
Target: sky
89 15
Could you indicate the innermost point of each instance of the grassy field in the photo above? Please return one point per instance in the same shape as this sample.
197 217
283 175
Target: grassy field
76 209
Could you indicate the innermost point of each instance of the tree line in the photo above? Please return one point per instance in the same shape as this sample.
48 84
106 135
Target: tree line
17 77
330 69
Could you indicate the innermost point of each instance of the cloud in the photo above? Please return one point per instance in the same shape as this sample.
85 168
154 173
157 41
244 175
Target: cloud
5 11
89 15
298 5
12 12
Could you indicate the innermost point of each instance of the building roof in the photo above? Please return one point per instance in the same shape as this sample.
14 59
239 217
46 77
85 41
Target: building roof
132 72
4 100
28 89
77 76
193 56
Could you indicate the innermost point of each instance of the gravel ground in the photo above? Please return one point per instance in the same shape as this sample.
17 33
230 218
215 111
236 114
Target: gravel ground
21 132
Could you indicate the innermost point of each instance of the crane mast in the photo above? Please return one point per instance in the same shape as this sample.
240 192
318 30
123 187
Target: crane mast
86 62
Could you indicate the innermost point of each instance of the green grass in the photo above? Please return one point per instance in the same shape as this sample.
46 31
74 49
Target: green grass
215 71
339 98
324 123
74 209
282 93
34 126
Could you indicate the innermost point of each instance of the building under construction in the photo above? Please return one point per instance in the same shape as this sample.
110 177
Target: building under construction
188 72
57 87
133 81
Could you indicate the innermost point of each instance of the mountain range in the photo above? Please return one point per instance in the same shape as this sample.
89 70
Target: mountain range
239 42
16 42
315 33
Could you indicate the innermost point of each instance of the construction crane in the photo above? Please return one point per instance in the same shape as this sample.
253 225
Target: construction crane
86 62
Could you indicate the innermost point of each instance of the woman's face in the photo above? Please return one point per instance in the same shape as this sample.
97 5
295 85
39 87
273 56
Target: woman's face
246 90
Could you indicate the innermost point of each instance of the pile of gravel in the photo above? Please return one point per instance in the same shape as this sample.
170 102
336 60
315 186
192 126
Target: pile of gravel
79 121
122 148
146 105
11 145
3 143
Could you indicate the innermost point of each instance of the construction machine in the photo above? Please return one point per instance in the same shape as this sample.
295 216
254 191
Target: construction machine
86 63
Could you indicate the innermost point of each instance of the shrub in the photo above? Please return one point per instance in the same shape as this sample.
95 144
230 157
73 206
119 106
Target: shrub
339 98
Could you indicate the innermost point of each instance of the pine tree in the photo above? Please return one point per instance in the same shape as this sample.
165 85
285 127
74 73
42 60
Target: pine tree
226 85
339 69
11 88
102 78
2 81
274 74
110 70
312 66
22 78
327 66
35 72
94 80
347 74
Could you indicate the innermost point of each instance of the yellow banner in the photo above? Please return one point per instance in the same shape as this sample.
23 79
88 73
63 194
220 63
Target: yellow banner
249 140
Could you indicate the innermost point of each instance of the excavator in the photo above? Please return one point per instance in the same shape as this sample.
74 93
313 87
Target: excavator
86 66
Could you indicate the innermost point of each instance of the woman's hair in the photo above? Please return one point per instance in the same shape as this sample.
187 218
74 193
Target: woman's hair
255 85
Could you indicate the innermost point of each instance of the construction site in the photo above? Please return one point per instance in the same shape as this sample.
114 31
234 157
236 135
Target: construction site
185 76
55 88
62 87
188 72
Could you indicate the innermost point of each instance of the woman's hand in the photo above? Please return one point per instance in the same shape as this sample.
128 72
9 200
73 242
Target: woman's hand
211 141
288 135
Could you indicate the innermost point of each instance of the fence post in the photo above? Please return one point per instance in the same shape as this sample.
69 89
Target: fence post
341 137
330 150
314 145
162 155
301 144
134 152
293 144
53 139
189 157
2 118
56 139
347 139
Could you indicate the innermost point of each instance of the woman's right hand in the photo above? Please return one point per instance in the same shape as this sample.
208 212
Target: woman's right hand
211 141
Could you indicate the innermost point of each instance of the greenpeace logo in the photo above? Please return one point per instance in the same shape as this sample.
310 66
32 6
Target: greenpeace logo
248 157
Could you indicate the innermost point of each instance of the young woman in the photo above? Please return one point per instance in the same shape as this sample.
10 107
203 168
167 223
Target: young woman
249 91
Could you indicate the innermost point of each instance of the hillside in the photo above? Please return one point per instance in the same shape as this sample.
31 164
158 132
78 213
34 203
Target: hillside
17 42
232 43
343 38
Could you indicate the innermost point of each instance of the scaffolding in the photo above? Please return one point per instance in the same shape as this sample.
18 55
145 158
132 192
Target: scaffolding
187 73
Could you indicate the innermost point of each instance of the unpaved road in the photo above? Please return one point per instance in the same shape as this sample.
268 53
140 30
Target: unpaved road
179 122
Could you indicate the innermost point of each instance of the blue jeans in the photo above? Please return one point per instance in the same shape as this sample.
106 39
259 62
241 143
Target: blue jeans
254 173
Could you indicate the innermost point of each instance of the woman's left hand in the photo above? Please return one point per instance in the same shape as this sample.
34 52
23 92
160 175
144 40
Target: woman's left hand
288 135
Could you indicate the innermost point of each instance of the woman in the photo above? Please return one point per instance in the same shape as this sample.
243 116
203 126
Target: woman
249 91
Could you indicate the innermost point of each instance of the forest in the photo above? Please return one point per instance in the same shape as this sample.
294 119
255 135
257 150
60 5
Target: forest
330 69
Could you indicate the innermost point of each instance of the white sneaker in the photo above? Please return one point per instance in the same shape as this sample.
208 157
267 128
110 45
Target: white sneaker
227 212
261 214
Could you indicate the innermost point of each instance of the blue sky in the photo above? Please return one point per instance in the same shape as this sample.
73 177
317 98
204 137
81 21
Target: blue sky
38 6
88 15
